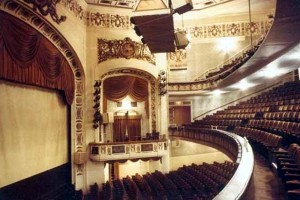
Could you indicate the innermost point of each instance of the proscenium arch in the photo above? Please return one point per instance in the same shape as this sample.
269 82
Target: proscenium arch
22 12
152 90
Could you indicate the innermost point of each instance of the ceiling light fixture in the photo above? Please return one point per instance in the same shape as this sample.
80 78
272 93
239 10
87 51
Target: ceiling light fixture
243 85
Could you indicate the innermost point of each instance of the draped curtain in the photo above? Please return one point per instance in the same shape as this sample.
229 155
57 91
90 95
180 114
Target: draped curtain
119 130
117 88
131 123
134 129
28 57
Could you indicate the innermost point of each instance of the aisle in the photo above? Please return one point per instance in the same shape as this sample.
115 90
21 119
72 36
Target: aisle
264 185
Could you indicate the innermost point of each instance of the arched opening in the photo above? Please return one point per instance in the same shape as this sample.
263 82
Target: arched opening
128 98
38 83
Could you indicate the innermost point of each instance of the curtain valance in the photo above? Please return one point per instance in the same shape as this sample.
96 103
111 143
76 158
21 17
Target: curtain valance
117 88
28 57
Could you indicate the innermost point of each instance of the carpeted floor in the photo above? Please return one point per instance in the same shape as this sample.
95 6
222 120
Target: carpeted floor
264 185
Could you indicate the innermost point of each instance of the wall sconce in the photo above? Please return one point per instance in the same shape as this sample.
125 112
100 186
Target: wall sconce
97 115
162 78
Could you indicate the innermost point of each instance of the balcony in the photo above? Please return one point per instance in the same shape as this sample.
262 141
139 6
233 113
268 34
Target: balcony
128 150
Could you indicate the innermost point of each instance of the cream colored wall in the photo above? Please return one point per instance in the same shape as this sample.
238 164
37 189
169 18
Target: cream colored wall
73 29
204 55
33 131
141 167
186 153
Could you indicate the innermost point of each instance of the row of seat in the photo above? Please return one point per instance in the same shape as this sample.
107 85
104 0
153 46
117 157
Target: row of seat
288 169
287 128
268 121
259 107
279 99
262 141
188 182
293 116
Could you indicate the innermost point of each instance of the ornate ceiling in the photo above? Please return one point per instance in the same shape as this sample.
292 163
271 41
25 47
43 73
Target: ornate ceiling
198 4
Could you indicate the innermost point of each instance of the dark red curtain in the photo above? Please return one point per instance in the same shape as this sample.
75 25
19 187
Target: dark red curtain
28 57
134 129
119 130
130 123
117 88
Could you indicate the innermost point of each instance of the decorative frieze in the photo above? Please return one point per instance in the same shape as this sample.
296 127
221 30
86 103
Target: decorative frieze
116 21
229 29
110 49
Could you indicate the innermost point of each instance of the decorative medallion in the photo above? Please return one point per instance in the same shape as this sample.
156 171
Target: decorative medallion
127 49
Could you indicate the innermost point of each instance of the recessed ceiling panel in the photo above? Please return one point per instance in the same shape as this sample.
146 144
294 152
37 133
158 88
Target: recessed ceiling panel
153 4
150 5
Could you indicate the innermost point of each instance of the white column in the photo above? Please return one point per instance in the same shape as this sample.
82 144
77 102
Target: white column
95 173
163 108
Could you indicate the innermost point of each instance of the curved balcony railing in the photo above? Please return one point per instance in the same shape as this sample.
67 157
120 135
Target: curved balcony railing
283 38
213 76
234 62
232 145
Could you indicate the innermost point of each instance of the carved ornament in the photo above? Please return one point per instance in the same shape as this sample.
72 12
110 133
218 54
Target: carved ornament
109 49
47 7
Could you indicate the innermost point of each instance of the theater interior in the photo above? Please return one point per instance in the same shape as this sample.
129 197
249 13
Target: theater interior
149 99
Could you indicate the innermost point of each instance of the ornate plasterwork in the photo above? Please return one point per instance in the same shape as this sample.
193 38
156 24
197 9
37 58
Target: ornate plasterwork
230 29
102 20
153 88
109 49
47 7
117 21
177 59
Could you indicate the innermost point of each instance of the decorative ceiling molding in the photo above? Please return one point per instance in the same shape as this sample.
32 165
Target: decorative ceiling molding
130 4
116 21
230 29
114 3
47 7
110 49
17 9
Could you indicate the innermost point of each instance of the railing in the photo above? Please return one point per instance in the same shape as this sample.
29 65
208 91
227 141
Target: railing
128 150
192 86
203 83
242 154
